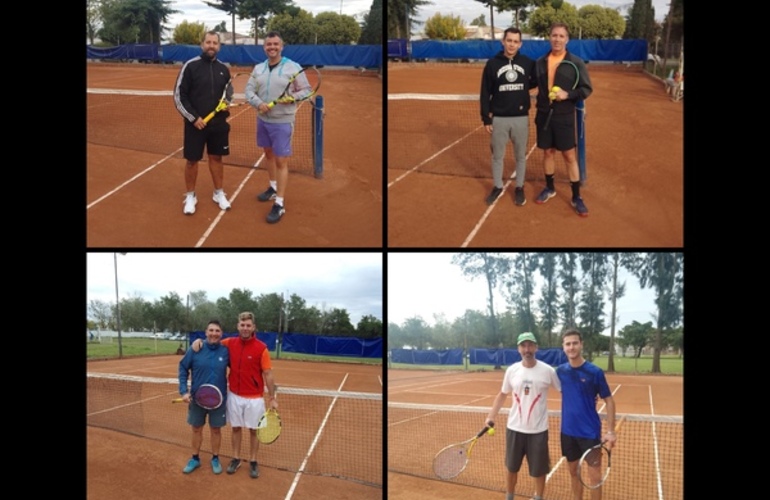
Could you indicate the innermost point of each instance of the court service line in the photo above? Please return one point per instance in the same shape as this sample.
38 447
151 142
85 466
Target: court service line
221 214
655 450
492 206
430 158
315 441
132 179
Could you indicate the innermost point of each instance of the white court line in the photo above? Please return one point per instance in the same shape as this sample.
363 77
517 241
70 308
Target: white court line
221 214
492 206
429 159
315 441
132 179
656 452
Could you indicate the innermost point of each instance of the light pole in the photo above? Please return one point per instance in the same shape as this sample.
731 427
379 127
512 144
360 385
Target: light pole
117 305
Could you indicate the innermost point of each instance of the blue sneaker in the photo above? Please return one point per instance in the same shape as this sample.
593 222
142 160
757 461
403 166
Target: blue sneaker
545 195
216 466
191 466
580 207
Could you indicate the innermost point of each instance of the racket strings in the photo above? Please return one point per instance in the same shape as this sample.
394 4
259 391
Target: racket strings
450 462
594 468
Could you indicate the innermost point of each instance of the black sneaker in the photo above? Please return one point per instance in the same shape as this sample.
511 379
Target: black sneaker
496 192
520 199
268 195
233 466
253 470
275 213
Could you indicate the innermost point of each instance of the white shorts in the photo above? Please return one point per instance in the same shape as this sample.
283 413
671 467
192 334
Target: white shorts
244 412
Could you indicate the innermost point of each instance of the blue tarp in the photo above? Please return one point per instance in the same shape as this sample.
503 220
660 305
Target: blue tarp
427 356
366 56
588 50
332 346
266 337
505 357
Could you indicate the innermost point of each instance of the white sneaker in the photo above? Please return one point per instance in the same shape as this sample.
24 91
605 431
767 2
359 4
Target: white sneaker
189 204
221 200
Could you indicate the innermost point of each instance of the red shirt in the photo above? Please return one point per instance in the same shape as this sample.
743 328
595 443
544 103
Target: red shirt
248 359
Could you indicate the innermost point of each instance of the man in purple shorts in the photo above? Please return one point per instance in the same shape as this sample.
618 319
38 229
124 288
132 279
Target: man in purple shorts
275 126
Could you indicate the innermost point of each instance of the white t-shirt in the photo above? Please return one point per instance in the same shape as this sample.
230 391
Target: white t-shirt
529 390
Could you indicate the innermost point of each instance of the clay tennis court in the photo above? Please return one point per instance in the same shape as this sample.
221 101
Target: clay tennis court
415 436
634 156
134 198
123 466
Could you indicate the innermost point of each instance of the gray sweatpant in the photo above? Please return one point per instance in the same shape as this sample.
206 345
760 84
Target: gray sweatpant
504 129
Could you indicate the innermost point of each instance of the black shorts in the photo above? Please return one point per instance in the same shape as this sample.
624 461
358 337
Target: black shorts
214 137
561 133
534 446
574 447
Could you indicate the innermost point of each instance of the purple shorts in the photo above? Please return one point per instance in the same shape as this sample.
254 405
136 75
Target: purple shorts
276 136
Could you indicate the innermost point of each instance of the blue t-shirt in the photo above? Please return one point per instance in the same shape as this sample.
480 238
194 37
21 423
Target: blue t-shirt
579 389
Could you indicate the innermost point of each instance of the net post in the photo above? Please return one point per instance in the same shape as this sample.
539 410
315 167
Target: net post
581 133
318 143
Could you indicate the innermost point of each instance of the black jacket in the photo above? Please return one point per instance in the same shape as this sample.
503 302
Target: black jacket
199 87
582 91
505 85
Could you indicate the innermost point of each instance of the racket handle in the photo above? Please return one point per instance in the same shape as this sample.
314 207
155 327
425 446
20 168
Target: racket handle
177 400
209 117
548 119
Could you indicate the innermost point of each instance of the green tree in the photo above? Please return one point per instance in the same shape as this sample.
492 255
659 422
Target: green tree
570 286
664 273
268 313
542 17
600 23
133 314
231 306
230 7
168 313
401 14
492 4
140 21
518 7
335 29
101 312
188 33
441 27
520 285
260 10
395 336
415 333
93 19
299 29
636 336
617 291
479 21
369 327
591 309
641 21
337 324
371 31
489 266
549 297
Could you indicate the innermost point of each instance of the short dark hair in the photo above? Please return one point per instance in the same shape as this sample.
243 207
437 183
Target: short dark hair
211 33
214 322
273 34
558 25
572 331
512 30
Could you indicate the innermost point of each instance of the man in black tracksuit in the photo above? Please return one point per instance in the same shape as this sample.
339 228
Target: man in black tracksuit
197 92
561 132
505 101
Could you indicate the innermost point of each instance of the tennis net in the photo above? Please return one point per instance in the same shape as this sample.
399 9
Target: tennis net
146 120
647 462
444 134
327 433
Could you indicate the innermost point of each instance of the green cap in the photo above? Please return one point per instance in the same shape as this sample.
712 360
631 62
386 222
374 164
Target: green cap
526 336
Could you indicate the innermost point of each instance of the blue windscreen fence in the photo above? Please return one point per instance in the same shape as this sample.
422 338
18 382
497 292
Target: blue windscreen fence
588 50
359 56
313 344
476 356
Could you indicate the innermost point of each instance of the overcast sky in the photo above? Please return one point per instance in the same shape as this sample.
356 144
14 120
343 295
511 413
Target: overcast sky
350 281
194 11
468 10
425 284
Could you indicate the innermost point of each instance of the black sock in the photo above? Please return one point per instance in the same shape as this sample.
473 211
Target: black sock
253 463
575 189
549 182
196 457
214 456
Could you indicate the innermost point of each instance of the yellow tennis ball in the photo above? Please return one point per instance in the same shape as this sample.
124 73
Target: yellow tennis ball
555 89
491 431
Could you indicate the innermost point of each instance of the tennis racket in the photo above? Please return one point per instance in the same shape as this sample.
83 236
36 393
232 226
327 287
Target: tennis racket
269 427
452 460
207 396
223 102
565 77
304 92
594 465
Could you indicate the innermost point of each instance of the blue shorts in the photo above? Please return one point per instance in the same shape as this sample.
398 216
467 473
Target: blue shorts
276 136
196 415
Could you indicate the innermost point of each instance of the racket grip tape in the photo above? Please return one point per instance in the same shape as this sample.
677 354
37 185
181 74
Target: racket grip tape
177 400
